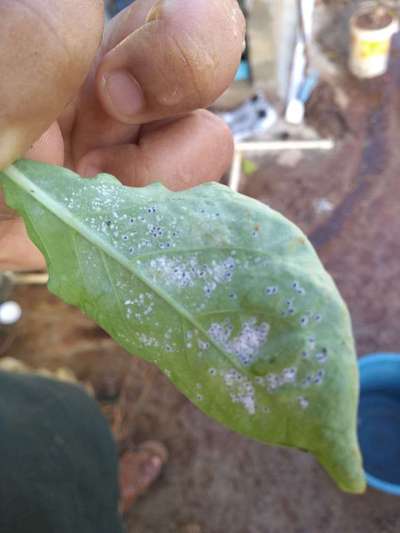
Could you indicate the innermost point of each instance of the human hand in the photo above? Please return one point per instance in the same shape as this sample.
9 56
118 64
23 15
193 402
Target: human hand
170 59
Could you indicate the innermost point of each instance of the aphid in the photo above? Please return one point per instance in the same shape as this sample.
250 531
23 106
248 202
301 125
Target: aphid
319 377
271 290
321 357
307 381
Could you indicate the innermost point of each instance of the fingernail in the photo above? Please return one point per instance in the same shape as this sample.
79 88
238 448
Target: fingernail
124 93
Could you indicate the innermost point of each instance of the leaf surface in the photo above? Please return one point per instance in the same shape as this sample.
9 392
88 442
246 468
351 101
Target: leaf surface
225 295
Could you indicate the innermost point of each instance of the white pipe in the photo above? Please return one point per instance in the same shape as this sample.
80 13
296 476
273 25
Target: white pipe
28 278
307 15
271 146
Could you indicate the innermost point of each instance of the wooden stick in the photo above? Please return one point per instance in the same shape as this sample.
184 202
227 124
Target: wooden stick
28 278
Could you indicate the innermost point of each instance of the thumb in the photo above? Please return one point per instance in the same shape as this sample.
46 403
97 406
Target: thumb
160 59
43 62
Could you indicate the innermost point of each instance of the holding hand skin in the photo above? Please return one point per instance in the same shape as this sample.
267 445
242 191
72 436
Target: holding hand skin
129 102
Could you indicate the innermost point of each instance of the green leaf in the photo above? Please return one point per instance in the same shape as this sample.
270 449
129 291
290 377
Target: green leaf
225 295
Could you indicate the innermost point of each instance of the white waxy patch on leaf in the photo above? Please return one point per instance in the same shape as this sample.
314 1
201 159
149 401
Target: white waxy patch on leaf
246 346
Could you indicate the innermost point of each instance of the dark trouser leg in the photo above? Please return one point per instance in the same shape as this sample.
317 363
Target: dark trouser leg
58 460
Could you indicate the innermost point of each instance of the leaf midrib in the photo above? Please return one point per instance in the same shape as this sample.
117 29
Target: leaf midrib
62 213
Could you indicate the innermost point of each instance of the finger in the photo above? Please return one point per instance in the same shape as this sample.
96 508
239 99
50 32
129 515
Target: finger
46 49
17 252
181 59
180 154
49 148
173 57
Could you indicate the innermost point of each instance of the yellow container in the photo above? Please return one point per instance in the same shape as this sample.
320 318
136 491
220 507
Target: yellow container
372 29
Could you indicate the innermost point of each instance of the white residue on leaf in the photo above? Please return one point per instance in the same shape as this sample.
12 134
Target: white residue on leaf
203 345
241 390
231 377
288 376
247 345
303 402
131 232
187 272
139 306
247 400
148 341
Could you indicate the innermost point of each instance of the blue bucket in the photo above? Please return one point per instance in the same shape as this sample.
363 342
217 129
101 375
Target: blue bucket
379 420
